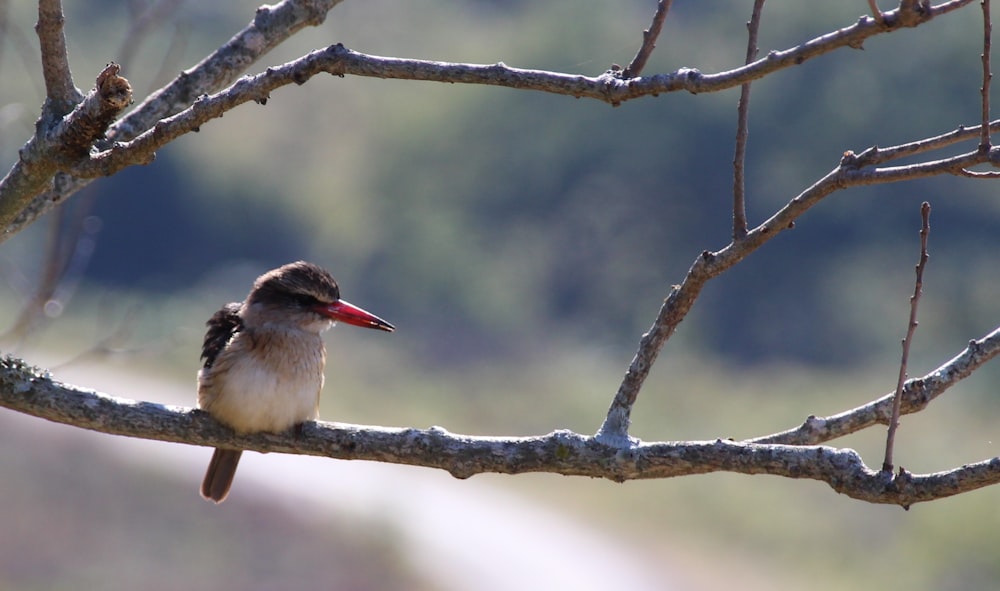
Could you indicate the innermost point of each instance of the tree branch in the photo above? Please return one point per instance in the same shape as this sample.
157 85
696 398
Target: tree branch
911 329
984 142
69 140
876 13
709 265
916 395
340 61
875 155
614 90
649 37
185 105
32 391
271 25
743 130
62 94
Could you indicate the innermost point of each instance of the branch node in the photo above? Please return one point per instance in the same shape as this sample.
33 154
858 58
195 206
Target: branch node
76 134
850 160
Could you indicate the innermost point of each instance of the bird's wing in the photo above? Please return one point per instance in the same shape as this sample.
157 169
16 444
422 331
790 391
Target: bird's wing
221 327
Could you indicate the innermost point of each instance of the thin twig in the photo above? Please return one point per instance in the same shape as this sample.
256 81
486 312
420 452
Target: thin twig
876 13
984 141
649 37
876 155
911 327
743 130
59 87
917 394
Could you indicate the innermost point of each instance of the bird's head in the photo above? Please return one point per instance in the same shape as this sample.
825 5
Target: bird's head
304 296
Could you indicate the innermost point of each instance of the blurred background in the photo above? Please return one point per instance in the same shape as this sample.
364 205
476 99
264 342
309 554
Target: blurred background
521 243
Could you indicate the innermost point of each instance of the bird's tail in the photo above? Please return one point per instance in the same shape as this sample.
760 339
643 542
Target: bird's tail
219 477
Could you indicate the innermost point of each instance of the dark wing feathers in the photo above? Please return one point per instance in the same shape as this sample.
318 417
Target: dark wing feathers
221 327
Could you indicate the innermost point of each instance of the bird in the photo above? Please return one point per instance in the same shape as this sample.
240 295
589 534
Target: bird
263 358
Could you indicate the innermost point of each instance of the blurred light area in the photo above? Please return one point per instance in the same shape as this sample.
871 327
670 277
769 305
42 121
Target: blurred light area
9 113
53 308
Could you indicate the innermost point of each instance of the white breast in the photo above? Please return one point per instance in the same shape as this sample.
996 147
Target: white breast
265 381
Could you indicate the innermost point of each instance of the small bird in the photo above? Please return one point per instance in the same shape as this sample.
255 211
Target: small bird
264 358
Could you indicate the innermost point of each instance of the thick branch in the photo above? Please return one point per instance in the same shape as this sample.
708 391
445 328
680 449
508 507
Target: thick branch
31 391
614 90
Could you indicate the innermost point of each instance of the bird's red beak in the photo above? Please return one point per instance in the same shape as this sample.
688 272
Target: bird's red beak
348 313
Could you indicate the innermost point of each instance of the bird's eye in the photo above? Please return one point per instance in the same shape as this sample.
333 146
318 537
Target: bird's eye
301 300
